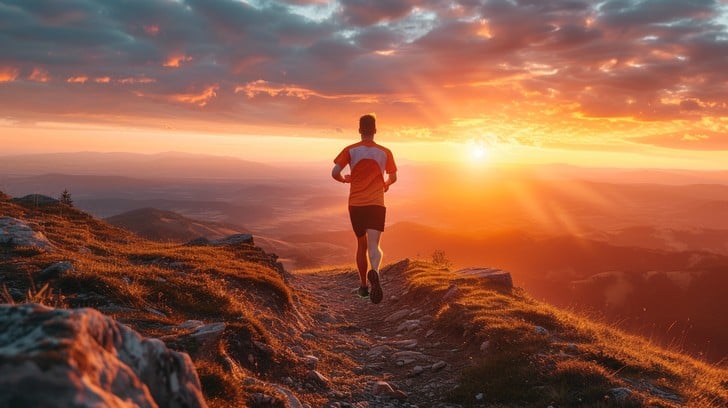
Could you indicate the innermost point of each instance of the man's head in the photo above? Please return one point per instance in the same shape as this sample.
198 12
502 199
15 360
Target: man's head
368 125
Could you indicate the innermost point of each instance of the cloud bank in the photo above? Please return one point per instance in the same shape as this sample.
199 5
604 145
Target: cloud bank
535 72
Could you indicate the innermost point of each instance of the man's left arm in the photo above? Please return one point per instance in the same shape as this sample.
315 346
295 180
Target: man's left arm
391 179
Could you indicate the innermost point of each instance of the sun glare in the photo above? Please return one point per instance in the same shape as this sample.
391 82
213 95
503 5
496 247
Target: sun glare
478 152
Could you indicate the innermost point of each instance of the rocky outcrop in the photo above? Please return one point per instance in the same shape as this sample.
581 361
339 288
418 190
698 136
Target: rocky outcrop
492 277
15 232
35 200
245 245
81 358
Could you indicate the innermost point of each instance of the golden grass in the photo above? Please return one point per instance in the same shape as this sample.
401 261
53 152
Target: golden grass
576 363
134 280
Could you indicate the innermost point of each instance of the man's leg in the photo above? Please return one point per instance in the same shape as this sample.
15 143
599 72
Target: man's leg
361 259
375 252
375 258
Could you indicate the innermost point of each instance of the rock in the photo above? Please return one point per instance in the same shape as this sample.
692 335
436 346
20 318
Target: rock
318 378
377 351
493 277
479 396
397 315
15 232
35 200
208 333
410 343
620 394
407 355
56 270
417 370
452 291
384 388
408 325
190 324
484 346
88 360
540 330
439 365
310 361
236 239
429 333
361 342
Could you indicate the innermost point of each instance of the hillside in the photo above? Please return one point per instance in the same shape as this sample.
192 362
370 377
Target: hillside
161 225
441 338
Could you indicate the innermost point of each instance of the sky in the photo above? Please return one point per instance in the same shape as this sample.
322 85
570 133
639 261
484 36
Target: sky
621 83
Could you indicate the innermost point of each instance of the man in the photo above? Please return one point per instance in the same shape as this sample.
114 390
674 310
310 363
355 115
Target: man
368 162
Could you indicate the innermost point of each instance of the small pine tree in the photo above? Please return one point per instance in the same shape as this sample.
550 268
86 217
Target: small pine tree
66 198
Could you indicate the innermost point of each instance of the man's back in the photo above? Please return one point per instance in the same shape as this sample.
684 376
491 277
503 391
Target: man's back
368 162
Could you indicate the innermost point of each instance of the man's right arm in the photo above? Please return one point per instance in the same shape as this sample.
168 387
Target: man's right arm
336 174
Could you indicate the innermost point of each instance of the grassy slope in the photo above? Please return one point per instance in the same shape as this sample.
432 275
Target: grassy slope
155 286
133 280
575 363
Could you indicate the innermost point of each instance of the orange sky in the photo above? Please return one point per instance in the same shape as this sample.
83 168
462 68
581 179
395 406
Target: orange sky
612 83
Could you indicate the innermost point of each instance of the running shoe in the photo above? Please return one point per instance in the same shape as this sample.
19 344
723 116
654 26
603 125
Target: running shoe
376 294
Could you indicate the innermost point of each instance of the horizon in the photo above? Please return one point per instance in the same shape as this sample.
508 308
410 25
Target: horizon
624 85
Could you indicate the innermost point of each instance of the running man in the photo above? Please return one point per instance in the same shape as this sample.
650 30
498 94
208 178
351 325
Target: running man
368 162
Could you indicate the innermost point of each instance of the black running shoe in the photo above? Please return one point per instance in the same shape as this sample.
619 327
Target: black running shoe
363 292
376 294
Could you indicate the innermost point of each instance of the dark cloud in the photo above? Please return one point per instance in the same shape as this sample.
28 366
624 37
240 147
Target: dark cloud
368 12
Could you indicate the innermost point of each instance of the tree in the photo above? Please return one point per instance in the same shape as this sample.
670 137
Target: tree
439 258
66 198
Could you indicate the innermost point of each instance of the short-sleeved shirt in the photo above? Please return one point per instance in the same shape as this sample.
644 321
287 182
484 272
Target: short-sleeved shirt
368 162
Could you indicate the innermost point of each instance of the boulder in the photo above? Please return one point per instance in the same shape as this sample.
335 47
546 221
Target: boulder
236 239
81 358
56 270
16 232
35 200
491 277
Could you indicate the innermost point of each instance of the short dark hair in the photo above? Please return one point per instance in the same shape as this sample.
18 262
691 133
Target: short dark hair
368 124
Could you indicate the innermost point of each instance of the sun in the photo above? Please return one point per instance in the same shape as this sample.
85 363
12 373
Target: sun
478 152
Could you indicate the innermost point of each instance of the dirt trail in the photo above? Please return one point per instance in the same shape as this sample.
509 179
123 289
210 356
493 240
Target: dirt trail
396 358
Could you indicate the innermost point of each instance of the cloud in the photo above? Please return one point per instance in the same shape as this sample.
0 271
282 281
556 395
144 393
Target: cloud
514 64
689 140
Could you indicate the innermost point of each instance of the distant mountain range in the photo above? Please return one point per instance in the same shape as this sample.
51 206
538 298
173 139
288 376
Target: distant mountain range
155 166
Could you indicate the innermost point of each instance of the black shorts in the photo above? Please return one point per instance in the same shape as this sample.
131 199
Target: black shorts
367 217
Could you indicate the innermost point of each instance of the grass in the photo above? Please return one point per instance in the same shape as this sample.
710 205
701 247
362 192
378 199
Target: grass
133 280
576 363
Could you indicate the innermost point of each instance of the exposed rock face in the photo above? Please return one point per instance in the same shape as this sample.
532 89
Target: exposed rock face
495 277
245 243
16 232
56 270
81 358
35 200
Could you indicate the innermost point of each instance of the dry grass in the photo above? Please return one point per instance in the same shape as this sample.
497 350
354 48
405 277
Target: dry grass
575 363
153 286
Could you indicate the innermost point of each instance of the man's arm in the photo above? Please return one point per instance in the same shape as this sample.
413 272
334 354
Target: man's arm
336 174
390 180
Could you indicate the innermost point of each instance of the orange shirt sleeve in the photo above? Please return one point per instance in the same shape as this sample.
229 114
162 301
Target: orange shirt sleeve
390 167
343 158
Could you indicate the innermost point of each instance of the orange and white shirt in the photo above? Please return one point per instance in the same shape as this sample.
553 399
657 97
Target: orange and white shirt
368 162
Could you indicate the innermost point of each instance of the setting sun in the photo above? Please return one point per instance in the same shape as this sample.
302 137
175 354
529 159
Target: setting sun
478 153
